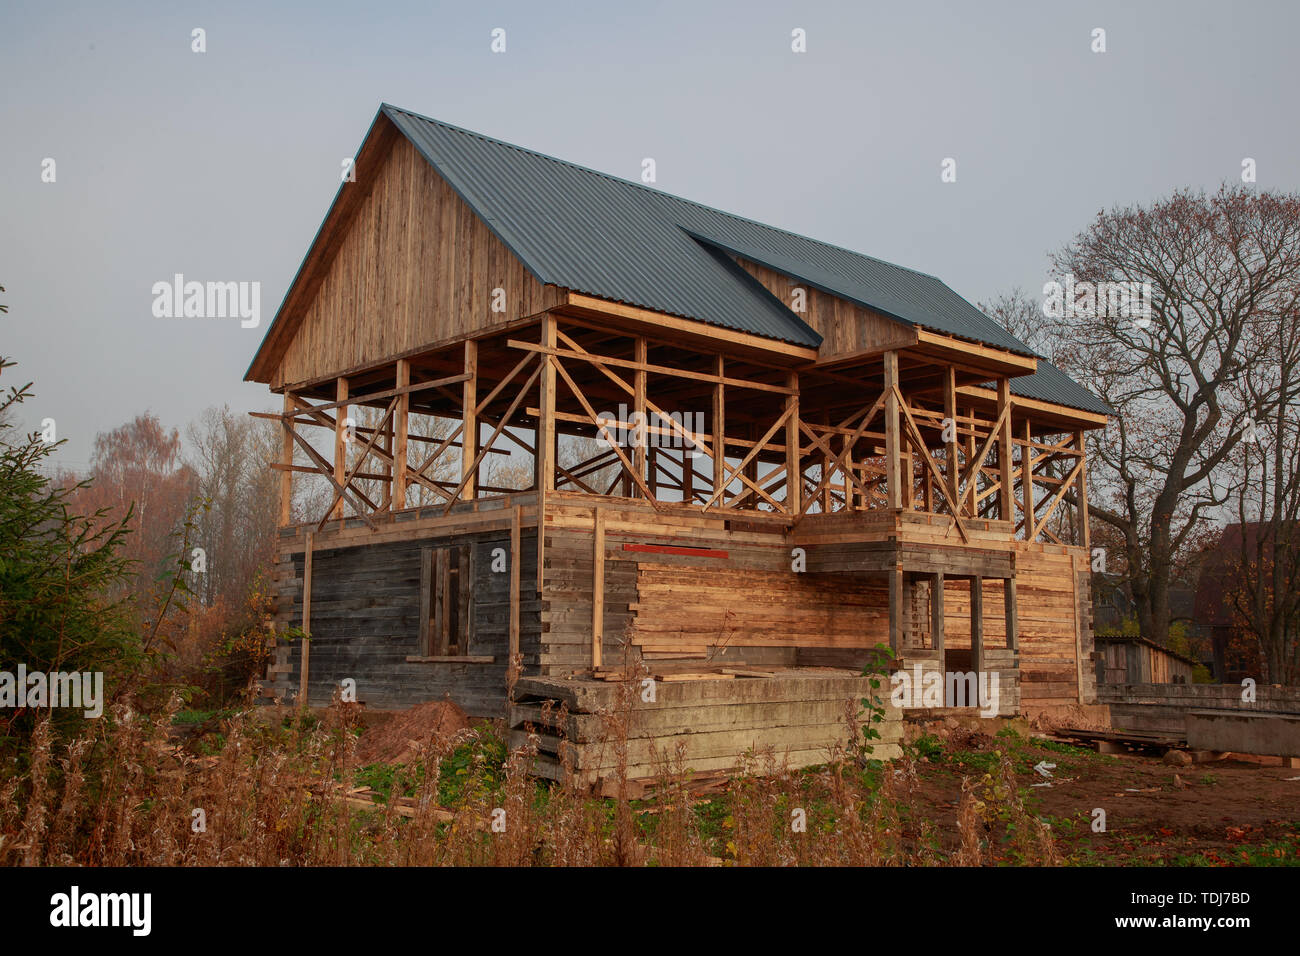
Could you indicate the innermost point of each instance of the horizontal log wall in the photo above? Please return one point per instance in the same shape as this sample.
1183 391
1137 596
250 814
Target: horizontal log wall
693 608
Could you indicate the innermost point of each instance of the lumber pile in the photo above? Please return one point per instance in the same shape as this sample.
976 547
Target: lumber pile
798 715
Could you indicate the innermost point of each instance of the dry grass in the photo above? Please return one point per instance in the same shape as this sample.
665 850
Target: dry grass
280 790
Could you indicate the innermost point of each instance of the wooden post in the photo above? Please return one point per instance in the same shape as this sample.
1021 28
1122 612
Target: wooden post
751 469
719 429
688 474
544 456
340 442
1006 502
1027 481
893 453
906 472
652 469
950 412
286 459
826 467
516 556
977 623
597 585
305 667
469 429
793 471
1084 535
936 614
546 438
638 408
401 429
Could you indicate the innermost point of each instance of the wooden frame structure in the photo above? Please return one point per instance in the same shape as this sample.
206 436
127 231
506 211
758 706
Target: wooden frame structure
626 488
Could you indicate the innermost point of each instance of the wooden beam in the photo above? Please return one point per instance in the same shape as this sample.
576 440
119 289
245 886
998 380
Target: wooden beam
324 468
975 460
1056 499
305 663
401 429
978 356
1006 500
928 460
545 440
793 465
286 459
753 454
594 416
451 501
893 458
545 458
638 403
1027 479
1048 411
340 442
350 476
575 351
719 424
516 556
950 413
659 322
376 397
469 422
1084 535
597 585
977 623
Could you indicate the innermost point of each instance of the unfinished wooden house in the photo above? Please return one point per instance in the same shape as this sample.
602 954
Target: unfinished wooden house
564 419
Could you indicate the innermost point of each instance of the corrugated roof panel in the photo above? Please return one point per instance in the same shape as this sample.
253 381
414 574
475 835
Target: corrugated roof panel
593 233
623 241
1050 384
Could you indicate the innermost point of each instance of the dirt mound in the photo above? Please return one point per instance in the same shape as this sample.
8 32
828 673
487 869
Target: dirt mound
394 737
1072 716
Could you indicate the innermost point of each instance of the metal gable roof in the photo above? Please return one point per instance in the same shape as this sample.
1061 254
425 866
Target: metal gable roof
619 240
592 233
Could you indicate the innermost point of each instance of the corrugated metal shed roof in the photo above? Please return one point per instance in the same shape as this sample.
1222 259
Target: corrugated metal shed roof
1050 384
623 241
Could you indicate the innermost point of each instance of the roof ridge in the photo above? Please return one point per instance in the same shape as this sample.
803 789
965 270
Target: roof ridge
654 191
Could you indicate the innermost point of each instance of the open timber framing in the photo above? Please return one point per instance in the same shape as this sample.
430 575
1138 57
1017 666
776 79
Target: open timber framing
566 486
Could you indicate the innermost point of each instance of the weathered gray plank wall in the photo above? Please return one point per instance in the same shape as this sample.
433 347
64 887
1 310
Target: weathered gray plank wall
365 622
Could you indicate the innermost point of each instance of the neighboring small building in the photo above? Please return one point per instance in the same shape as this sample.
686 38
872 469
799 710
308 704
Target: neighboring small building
1130 659
1235 653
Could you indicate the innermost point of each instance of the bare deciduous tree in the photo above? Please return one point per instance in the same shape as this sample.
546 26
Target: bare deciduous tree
1223 270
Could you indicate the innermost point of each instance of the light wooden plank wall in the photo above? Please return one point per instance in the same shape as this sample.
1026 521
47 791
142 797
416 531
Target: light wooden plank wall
416 267
844 326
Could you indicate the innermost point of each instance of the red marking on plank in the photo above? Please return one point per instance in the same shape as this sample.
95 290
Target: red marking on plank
674 549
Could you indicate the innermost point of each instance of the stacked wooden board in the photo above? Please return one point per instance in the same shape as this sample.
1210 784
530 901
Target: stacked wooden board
798 714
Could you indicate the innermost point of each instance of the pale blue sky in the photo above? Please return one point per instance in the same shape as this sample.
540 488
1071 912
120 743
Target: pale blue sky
221 165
